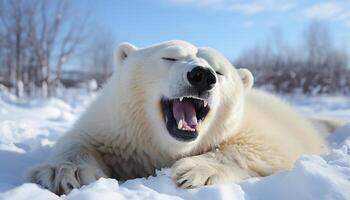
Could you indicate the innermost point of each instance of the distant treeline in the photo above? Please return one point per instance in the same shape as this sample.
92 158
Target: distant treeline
69 79
314 66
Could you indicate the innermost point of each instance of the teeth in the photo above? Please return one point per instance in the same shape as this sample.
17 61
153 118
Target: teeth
205 104
181 98
180 124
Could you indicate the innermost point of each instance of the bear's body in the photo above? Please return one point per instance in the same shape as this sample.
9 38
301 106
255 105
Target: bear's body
127 133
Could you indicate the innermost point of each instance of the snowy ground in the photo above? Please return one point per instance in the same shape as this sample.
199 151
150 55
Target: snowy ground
28 130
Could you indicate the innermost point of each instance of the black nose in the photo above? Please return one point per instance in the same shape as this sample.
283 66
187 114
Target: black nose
201 78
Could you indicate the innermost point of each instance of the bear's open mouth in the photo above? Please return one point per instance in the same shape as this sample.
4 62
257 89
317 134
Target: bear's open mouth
182 116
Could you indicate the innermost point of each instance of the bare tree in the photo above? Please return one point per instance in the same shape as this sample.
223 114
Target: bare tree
98 56
318 43
38 38
15 40
57 38
71 40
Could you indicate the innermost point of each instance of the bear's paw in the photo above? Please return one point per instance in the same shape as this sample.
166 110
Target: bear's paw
63 177
192 172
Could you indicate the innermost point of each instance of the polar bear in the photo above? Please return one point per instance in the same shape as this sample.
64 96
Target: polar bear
178 106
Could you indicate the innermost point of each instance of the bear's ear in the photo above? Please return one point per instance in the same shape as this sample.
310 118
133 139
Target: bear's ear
124 50
247 78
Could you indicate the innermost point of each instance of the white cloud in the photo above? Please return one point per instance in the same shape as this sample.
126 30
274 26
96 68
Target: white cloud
248 24
338 11
246 8
343 16
241 6
285 6
347 23
323 10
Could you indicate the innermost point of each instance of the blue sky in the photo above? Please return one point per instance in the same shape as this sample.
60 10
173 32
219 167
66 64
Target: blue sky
227 25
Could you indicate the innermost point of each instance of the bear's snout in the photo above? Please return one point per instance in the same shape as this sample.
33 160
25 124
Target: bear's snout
202 79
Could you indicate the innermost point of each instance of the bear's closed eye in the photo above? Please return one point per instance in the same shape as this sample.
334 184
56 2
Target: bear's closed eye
219 73
169 59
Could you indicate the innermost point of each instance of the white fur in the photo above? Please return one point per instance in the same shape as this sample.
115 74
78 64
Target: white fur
123 135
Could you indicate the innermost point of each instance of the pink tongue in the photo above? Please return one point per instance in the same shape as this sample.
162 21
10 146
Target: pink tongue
186 112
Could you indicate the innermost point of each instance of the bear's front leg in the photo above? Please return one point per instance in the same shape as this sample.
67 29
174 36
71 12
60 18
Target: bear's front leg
217 166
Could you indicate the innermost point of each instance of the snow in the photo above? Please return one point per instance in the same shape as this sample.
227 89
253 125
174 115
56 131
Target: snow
29 129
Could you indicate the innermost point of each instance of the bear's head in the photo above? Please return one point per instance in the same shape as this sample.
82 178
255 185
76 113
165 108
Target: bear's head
183 96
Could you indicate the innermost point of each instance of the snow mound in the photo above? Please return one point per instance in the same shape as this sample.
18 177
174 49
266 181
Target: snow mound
28 130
